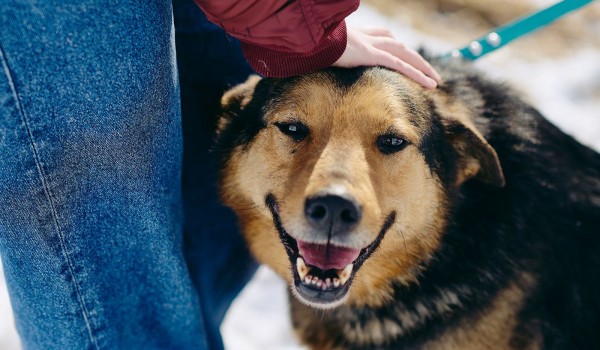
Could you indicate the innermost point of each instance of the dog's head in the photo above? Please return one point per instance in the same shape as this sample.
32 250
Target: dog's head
345 176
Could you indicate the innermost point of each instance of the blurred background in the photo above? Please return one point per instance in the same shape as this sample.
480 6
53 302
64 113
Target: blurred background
556 69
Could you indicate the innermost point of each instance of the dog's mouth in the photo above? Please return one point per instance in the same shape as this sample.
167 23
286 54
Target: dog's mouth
322 274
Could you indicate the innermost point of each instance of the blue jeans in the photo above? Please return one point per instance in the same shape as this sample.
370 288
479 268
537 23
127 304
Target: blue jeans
111 235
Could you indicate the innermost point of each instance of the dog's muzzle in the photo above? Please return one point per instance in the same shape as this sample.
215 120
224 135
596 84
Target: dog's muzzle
323 273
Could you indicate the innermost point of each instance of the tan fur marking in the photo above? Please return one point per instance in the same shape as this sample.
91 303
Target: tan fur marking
492 329
452 109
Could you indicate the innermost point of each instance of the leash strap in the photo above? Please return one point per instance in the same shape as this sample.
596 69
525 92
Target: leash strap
501 36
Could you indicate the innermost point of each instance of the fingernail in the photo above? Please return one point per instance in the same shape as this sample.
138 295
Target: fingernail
431 84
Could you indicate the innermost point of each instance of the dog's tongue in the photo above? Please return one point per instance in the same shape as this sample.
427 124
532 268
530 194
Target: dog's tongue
327 257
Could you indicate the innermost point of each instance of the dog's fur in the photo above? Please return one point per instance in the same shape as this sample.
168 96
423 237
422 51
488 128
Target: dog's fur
486 224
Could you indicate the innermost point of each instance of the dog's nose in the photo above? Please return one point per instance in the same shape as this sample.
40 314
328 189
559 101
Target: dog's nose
332 212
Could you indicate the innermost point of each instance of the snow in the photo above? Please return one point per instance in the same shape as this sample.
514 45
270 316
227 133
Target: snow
259 318
8 335
566 90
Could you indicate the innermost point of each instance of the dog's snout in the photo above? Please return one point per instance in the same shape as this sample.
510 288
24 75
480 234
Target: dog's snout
332 212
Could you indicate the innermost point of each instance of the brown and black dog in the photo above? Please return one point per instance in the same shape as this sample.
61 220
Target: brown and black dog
402 218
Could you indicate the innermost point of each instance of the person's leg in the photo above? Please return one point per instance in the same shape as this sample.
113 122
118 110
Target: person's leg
90 163
209 62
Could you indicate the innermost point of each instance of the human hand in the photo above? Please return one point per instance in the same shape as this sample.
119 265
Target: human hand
377 47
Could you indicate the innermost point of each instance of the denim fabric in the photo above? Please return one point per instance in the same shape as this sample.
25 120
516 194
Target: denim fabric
209 62
101 247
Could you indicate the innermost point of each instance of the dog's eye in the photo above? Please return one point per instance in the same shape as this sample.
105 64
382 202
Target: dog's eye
390 143
297 131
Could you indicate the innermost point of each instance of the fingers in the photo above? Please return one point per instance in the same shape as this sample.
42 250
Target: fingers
390 61
377 47
377 31
409 56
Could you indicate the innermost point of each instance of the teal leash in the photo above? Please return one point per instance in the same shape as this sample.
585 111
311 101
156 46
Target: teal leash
501 36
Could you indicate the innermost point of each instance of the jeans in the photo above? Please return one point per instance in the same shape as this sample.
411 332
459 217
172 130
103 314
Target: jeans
111 235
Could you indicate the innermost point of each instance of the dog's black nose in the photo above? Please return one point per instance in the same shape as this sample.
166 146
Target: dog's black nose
332 212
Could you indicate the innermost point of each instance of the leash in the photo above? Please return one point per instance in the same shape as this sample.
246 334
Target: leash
501 36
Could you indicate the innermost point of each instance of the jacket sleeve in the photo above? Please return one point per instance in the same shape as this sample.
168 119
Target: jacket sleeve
281 37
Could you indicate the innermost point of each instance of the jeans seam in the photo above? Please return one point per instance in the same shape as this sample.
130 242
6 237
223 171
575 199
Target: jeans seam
49 196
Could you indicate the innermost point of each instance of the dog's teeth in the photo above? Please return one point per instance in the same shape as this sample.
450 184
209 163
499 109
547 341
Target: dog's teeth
307 279
324 287
336 282
303 270
345 273
314 280
319 283
328 282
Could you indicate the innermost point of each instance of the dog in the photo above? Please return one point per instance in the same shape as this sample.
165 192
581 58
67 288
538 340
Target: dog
405 218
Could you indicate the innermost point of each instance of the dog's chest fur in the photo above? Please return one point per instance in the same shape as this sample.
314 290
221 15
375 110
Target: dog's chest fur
439 323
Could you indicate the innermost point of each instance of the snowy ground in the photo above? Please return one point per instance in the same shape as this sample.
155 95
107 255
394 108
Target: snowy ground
8 336
566 90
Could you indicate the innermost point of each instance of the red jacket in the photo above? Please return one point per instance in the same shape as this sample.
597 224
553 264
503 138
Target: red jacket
284 37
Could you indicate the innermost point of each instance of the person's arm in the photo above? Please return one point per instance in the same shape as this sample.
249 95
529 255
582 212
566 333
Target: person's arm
282 38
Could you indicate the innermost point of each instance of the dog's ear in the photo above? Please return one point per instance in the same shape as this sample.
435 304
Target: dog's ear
235 100
476 158
240 95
